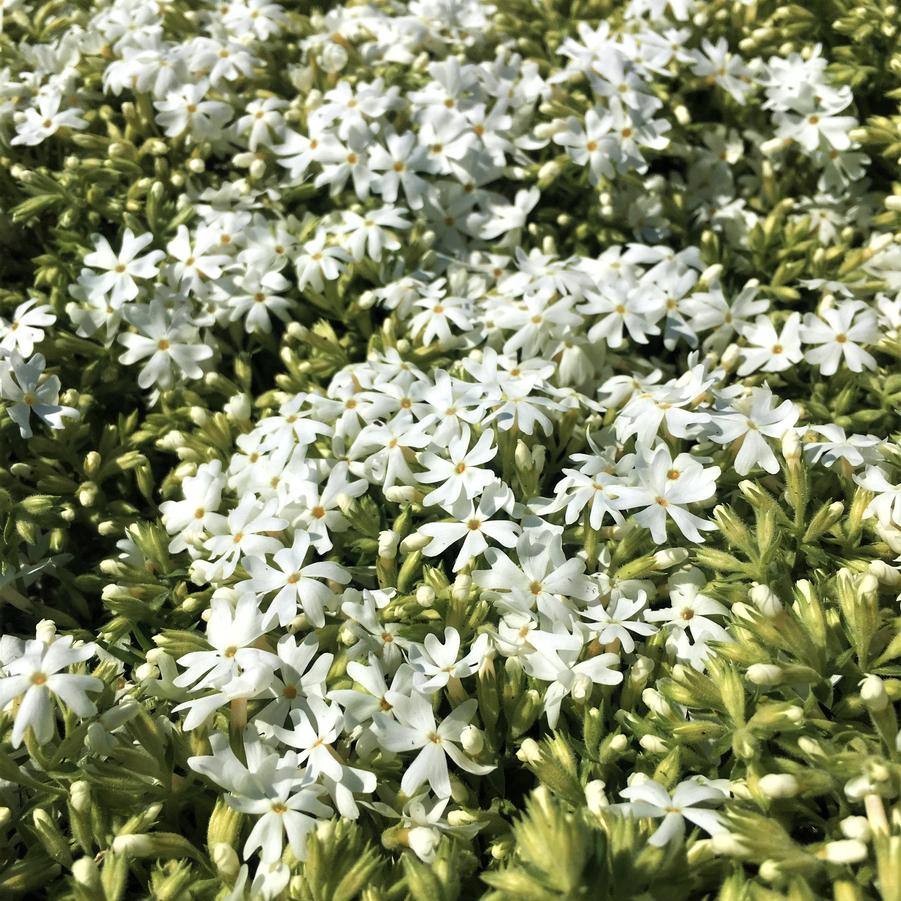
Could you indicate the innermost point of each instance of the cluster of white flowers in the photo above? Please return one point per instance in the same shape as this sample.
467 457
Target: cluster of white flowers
448 498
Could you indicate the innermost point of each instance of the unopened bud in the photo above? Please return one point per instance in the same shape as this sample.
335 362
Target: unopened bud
473 740
764 599
765 674
388 541
779 785
529 752
425 596
844 851
595 796
873 693
669 557
415 542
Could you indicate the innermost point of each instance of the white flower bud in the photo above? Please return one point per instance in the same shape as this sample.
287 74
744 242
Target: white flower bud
619 743
333 58
388 541
873 693
132 845
779 785
80 796
770 871
893 203
581 687
522 456
549 172
764 599
655 701
791 446
423 841
45 631
462 584
868 583
773 146
653 744
87 874
225 859
595 796
425 595
844 851
257 168
810 746
238 407
641 668
401 494
415 542
669 557
727 844
765 674
473 740
855 827
729 356
682 114
529 752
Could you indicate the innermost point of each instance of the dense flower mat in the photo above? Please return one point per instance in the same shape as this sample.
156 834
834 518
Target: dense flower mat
450 449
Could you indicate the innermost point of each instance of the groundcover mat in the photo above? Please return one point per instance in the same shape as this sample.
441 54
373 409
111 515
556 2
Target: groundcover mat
449 449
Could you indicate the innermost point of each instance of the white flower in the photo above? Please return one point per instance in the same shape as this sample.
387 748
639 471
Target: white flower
282 796
120 270
461 476
33 678
769 350
650 799
435 664
616 621
690 610
475 525
169 340
555 659
665 487
886 506
26 328
21 383
46 120
839 331
414 726
753 419
295 583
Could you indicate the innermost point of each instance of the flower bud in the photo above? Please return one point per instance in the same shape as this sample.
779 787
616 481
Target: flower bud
225 859
529 752
843 851
856 827
415 542
778 785
402 494
86 873
770 871
655 701
473 740
653 744
669 557
791 446
238 407
873 693
425 596
45 631
388 541
765 674
595 796
764 599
